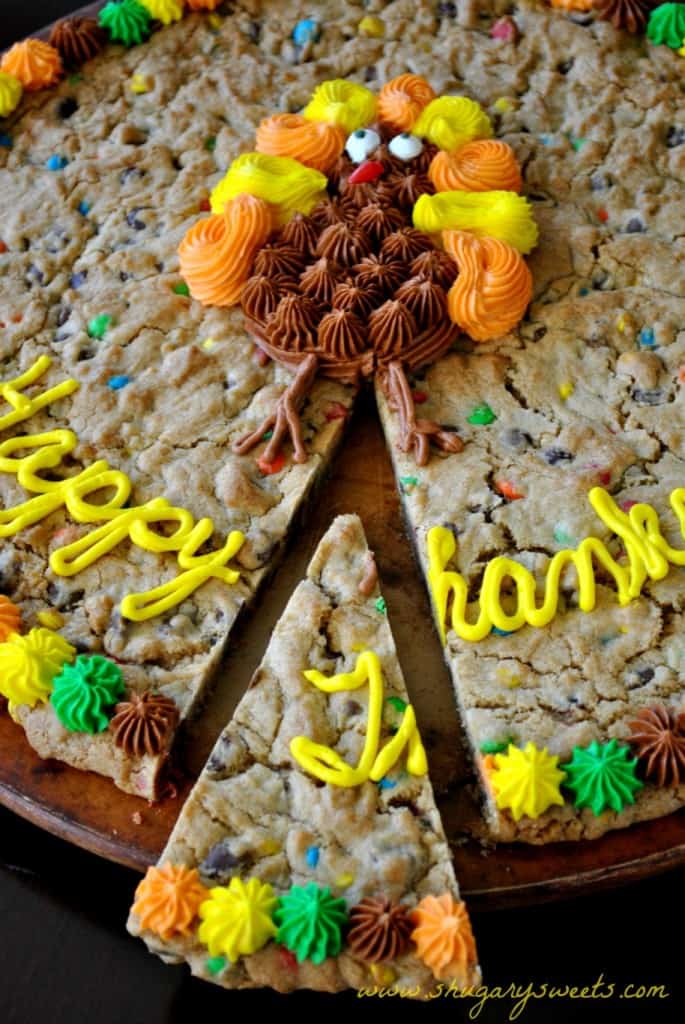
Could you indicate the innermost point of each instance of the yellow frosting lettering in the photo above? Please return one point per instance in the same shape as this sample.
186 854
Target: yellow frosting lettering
326 764
199 569
23 407
649 555
26 456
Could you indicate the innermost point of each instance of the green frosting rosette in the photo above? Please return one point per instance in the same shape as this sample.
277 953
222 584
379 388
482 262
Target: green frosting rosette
602 776
667 25
127 21
83 692
310 922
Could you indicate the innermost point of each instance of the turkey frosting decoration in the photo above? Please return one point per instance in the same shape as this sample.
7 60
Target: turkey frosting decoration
361 236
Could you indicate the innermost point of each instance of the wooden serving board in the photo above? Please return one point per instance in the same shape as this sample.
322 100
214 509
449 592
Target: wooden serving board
89 811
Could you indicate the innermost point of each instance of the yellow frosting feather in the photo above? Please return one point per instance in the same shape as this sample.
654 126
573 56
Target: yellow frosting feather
236 919
341 102
28 664
165 11
279 180
503 215
10 93
450 121
526 781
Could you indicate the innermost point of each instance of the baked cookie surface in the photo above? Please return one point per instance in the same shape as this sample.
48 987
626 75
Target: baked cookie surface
262 810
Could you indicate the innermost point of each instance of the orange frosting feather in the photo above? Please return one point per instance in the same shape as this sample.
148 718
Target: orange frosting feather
483 165
493 288
443 937
402 99
216 254
10 618
314 143
168 899
36 64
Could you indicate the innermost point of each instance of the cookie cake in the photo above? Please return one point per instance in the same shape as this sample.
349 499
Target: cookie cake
220 222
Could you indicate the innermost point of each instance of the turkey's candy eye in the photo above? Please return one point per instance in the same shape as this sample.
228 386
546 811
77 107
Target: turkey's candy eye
406 146
361 143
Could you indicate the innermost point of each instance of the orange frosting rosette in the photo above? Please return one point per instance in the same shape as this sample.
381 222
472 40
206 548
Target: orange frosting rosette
402 99
168 899
36 64
484 165
10 618
216 254
314 143
573 5
493 288
203 5
443 937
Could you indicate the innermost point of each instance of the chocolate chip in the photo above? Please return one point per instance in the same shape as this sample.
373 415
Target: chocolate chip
648 396
76 280
599 182
447 10
565 66
219 862
371 73
634 225
552 456
134 222
645 675
600 279
67 107
63 315
515 438
675 137
123 276
254 32
540 332
352 707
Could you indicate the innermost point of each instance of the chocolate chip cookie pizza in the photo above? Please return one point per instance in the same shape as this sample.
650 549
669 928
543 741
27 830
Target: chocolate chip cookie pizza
310 853
218 222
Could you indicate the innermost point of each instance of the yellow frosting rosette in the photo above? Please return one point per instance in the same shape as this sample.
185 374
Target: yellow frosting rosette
28 665
236 919
279 180
165 11
451 121
343 103
498 214
10 93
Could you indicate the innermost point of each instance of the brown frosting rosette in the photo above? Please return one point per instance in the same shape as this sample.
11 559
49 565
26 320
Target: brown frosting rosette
405 244
392 328
378 221
384 275
436 265
293 326
77 39
379 930
343 244
658 737
301 233
318 281
341 334
425 300
631 15
142 724
360 301
278 259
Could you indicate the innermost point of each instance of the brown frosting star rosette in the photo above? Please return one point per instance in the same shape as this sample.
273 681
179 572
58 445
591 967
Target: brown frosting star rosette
658 737
142 724
379 930
631 15
77 39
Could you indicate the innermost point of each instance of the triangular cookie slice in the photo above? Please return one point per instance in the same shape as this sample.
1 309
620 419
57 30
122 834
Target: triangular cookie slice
310 853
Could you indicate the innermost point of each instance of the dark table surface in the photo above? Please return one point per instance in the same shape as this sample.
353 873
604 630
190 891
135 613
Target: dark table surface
65 957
